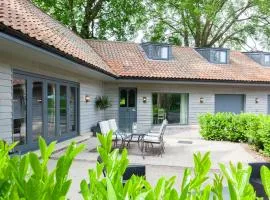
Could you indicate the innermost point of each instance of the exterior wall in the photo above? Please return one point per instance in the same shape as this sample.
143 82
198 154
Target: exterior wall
207 92
5 102
89 116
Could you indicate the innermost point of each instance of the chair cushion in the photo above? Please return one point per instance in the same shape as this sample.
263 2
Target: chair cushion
104 127
151 139
113 125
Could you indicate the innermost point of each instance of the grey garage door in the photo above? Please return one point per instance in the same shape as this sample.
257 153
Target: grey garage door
229 103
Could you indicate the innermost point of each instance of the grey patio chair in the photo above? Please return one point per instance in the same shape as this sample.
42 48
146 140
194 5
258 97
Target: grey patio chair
124 136
155 139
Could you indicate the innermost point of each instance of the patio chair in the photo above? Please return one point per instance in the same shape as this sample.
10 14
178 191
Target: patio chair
255 179
161 114
137 170
155 139
124 136
105 129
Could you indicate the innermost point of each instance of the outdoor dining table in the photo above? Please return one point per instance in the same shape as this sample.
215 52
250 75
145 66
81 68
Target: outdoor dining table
138 136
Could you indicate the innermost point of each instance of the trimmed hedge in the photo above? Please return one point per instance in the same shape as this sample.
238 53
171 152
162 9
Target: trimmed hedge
245 127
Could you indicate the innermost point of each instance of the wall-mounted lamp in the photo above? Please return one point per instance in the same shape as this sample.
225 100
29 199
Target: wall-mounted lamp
87 98
256 100
144 99
201 100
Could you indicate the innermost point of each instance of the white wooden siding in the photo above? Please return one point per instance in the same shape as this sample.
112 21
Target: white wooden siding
89 115
5 102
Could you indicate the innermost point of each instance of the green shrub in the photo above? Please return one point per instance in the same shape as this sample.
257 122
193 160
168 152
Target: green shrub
244 127
28 177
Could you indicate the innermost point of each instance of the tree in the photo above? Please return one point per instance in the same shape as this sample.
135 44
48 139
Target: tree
207 23
103 19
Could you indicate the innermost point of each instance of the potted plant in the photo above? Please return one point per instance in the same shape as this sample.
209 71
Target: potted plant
102 102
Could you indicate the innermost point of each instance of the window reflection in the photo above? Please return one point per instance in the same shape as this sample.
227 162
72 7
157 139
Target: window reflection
51 100
72 107
19 110
63 109
37 110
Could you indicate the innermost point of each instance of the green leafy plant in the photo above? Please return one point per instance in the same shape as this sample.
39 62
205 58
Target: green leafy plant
265 176
102 102
28 177
245 127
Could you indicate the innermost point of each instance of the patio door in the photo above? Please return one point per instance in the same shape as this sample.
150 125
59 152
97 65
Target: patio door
127 108
43 106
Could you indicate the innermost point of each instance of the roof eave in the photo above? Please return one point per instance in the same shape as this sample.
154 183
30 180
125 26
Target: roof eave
19 35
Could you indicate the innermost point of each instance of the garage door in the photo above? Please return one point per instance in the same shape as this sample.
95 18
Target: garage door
229 103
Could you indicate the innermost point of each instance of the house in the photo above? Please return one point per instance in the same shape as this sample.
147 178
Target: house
50 77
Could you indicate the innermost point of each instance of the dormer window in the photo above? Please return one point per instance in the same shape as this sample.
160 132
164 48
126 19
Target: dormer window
263 58
215 55
157 51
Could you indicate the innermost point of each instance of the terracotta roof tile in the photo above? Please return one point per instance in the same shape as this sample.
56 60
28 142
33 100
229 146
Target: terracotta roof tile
24 17
128 60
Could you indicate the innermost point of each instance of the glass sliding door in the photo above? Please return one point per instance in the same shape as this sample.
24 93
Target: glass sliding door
170 106
43 106
37 109
19 110
63 109
51 109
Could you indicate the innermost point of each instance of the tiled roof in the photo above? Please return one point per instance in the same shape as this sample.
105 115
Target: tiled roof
24 19
129 61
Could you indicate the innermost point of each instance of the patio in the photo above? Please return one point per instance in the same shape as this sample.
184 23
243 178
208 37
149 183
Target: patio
180 144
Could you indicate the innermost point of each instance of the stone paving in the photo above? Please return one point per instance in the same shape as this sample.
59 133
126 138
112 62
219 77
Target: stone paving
180 143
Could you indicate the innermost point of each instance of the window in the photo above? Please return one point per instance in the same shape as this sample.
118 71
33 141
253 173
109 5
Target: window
173 107
267 59
157 51
43 106
219 56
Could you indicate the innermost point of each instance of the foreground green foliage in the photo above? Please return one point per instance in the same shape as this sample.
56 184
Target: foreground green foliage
196 183
28 177
244 127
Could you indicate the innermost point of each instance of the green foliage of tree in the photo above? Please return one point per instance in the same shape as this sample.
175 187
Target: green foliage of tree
102 19
208 23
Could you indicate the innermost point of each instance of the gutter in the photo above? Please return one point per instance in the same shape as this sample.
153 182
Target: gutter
192 81
20 38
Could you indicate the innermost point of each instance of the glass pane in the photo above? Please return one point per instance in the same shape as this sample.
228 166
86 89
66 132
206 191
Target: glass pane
223 57
19 110
184 109
72 114
132 98
51 98
63 109
267 59
172 107
164 52
37 110
123 98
